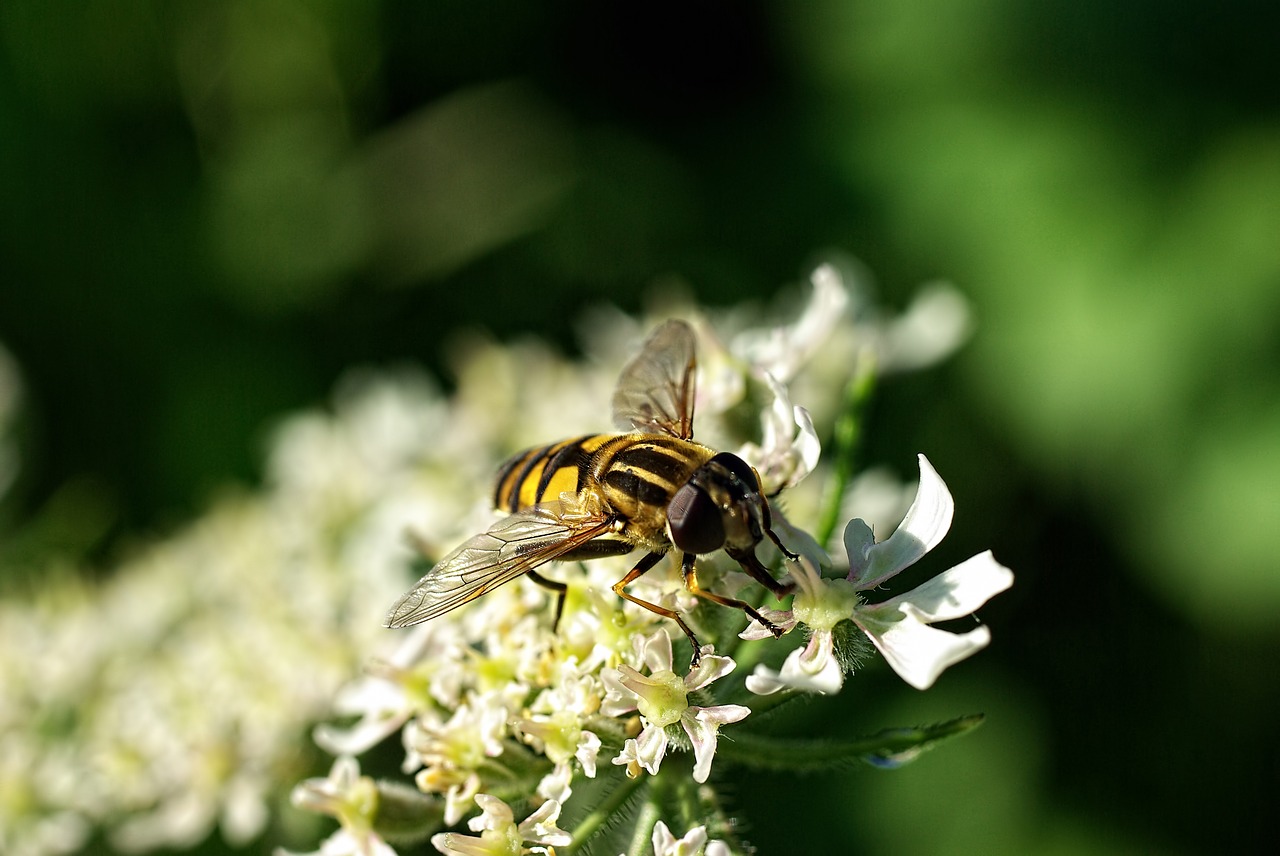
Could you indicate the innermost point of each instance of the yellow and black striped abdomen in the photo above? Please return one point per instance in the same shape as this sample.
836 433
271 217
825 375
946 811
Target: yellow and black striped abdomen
542 473
635 474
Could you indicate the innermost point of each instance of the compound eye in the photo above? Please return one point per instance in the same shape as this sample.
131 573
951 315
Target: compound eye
740 469
694 520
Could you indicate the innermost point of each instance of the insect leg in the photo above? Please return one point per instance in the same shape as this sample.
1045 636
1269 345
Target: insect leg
773 536
691 583
559 588
641 567
747 559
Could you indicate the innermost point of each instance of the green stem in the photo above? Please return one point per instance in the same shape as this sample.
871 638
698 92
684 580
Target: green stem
642 836
848 433
603 812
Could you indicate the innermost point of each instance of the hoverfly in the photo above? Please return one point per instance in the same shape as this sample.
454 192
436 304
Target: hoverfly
598 495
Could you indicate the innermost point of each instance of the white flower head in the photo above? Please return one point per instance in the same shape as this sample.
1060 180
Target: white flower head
898 627
661 697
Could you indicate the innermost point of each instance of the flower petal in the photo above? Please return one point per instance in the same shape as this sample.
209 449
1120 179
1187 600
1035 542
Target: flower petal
812 669
920 653
651 747
807 444
789 446
588 751
702 729
654 650
782 351
494 814
722 714
782 618
959 591
366 733
816 667
765 681
709 668
927 521
666 844
541 826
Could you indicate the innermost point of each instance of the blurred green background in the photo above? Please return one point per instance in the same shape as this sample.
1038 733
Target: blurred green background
211 209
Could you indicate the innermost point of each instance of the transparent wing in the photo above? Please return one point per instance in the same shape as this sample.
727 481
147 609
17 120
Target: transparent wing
512 546
656 389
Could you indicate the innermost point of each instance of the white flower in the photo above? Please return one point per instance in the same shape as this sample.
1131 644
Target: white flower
344 843
694 843
820 605
781 352
452 752
425 667
662 699
353 800
499 833
899 627
935 324
789 447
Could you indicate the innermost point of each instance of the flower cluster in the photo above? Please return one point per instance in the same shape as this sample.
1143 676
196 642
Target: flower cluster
532 733
500 712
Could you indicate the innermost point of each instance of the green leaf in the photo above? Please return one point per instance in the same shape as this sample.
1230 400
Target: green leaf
887 750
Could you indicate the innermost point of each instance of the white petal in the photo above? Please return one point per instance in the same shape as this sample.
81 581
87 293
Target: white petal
495 814
811 669
541 826
588 751
709 668
651 747
702 729
654 650
779 617
858 541
783 351
919 653
764 681
927 521
789 446
807 444
664 842
936 323
557 785
618 699
722 714
366 733
815 669
959 591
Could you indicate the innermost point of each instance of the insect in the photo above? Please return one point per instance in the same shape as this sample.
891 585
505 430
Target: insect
652 488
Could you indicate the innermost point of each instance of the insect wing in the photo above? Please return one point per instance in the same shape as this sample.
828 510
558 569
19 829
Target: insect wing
512 546
655 390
